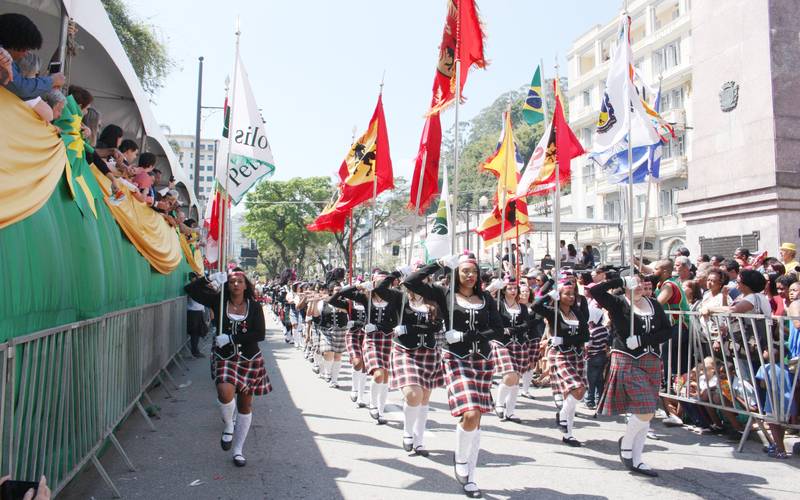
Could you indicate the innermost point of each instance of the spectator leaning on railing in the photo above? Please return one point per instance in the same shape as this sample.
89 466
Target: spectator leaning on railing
18 36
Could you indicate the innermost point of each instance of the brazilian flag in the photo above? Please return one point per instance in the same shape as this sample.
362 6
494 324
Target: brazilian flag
533 109
78 169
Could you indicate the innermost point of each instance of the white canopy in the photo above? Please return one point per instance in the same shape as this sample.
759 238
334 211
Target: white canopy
103 68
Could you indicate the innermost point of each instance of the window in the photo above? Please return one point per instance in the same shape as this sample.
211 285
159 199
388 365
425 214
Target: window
666 202
640 204
588 173
667 57
587 98
674 148
611 210
590 211
210 178
671 99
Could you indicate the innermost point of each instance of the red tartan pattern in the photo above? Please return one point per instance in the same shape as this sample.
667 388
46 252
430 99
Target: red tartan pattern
354 343
377 351
422 367
534 354
469 383
567 372
632 385
247 376
510 358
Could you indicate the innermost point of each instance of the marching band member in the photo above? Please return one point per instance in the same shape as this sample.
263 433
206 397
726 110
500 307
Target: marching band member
467 360
565 354
237 365
635 375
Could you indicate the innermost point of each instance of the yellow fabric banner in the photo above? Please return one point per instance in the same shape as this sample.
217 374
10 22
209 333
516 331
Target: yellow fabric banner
156 240
194 258
32 159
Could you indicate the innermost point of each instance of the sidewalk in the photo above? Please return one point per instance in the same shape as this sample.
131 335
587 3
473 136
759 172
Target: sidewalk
309 441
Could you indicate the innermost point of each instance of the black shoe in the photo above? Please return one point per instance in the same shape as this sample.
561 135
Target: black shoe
627 462
373 412
462 480
315 369
512 418
353 397
473 493
561 426
571 441
527 395
408 443
239 461
361 405
226 445
500 411
198 354
380 421
421 451
591 405
644 472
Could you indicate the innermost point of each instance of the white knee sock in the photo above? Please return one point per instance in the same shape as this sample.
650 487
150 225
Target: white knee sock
638 442
511 400
473 459
419 426
335 366
240 433
632 430
410 416
526 381
568 413
464 440
327 367
358 383
317 359
502 395
375 394
382 395
227 409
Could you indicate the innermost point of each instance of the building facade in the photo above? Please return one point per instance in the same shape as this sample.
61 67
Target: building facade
184 149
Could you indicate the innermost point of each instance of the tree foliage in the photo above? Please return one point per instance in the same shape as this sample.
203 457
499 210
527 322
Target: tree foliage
147 53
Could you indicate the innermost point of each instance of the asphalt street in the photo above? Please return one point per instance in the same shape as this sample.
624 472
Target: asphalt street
309 441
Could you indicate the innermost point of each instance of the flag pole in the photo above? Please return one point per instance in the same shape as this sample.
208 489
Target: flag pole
629 99
556 214
417 202
454 205
350 252
372 221
544 130
505 202
649 187
222 216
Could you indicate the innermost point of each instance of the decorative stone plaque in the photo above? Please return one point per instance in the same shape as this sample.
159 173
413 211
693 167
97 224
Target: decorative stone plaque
729 96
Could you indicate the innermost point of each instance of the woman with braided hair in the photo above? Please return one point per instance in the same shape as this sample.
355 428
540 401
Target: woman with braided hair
467 354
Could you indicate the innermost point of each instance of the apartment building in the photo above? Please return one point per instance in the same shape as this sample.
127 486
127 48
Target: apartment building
184 149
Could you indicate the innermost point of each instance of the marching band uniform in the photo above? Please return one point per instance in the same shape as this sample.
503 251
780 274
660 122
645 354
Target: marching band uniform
635 375
333 325
511 354
565 360
235 360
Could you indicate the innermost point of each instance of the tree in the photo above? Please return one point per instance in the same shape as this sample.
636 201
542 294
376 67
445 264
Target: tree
147 53
276 218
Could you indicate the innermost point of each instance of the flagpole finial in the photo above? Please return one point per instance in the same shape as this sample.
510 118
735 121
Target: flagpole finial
383 78
238 26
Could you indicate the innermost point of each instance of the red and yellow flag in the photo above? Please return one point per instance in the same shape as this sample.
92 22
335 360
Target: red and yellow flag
503 163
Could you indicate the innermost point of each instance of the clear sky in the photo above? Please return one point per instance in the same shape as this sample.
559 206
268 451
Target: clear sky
315 65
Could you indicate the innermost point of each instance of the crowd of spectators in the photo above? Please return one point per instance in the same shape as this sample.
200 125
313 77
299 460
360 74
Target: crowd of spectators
117 157
716 355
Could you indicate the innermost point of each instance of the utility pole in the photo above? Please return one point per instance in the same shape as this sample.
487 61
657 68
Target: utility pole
197 127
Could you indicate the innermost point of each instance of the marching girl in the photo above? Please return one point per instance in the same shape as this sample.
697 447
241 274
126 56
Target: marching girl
382 317
565 354
333 320
354 344
635 375
237 365
534 336
511 353
467 355
416 365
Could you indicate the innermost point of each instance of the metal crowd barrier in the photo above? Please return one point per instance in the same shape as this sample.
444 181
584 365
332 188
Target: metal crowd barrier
63 391
717 361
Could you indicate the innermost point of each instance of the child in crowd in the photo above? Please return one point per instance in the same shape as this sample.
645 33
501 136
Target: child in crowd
775 384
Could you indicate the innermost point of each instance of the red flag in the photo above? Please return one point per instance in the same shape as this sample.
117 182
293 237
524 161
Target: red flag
462 40
426 166
212 223
368 164
330 219
567 145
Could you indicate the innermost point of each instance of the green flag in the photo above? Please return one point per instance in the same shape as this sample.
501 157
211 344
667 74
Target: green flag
533 109
437 245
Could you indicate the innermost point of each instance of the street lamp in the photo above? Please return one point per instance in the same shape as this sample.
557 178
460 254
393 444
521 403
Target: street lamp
483 203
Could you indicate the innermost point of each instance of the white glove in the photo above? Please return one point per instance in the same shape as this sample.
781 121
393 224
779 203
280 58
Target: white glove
450 261
218 279
556 341
369 328
222 340
453 336
400 330
553 294
405 270
367 286
633 342
350 324
496 284
630 282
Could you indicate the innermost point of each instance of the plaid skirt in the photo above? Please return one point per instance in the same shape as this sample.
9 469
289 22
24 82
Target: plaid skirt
247 376
422 367
377 351
469 383
354 343
315 339
510 358
534 354
332 340
567 372
632 385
